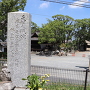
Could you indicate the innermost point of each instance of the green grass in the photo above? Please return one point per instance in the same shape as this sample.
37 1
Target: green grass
60 86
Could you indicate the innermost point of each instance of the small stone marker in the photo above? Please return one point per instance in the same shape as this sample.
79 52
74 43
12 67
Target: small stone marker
19 47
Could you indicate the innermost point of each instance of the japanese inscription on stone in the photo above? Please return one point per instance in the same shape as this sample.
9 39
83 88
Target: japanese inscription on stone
19 46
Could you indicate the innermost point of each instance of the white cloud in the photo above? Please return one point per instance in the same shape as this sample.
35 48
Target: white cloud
62 8
77 4
44 5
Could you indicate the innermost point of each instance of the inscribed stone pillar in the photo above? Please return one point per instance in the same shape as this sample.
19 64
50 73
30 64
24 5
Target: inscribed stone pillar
18 47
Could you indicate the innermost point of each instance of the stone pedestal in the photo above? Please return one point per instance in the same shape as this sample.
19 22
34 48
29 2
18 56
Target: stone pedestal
21 89
6 85
18 47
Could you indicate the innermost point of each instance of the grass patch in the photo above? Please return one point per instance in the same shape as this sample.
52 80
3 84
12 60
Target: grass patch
64 86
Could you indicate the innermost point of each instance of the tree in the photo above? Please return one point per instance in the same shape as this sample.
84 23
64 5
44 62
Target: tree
68 26
34 27
47 34
5 7
57 31
82 31
88 29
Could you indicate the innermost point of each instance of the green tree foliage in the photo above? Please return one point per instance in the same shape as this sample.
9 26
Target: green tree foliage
5 7
62 28
47 33
82 31
58 30
34 27
67 28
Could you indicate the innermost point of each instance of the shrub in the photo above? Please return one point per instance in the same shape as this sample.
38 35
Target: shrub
35 82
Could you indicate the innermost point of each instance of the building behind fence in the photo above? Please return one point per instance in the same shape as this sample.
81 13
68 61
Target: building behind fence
61 79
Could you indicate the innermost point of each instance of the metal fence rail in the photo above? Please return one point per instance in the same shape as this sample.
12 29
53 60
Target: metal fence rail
61 79
66 77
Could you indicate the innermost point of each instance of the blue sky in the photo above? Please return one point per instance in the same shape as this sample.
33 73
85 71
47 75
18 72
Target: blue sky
42 10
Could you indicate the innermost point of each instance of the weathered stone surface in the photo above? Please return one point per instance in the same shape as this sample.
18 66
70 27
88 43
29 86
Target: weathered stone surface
18 47
6 86
21 89
5 74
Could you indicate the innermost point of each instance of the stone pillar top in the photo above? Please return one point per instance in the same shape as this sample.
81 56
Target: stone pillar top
18 12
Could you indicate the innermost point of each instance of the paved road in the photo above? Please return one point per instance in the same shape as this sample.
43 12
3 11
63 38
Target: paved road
76 62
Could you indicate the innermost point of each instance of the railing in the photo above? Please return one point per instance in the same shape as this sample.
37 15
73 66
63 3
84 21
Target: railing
61 79
67 79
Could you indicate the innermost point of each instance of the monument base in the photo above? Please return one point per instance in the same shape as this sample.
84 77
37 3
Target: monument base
21 88
6 85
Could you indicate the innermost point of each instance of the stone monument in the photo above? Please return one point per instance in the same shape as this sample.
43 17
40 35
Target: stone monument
19 47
